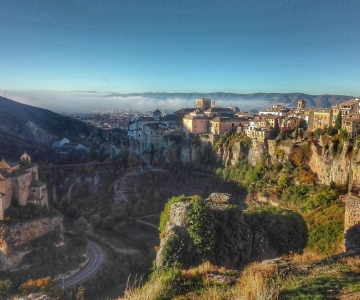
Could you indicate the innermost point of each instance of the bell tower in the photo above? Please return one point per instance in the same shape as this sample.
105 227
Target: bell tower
26 157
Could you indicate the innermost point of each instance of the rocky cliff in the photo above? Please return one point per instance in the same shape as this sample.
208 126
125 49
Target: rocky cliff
20 238
331 160
214 229
211 229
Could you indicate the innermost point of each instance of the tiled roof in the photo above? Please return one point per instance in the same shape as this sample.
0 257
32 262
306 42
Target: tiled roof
7 164
219 109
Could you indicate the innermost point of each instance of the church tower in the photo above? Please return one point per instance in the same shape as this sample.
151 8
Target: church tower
301 104
157 115
26 157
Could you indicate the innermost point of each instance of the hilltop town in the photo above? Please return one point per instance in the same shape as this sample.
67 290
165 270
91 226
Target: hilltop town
208 119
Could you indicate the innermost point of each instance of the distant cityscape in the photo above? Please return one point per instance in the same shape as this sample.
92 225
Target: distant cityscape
205 118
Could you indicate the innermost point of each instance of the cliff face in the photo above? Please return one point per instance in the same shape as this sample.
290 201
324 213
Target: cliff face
16 240
326 160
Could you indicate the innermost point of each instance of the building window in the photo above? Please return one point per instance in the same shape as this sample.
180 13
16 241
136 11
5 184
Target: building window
139 134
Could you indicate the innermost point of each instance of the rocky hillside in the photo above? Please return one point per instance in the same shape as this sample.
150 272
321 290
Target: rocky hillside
20 238
27 127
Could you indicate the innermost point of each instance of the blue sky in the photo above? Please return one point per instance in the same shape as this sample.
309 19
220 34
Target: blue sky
181 46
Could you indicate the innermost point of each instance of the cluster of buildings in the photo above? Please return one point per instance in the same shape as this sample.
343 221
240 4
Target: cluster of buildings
207 118
20 180
110 118
151 130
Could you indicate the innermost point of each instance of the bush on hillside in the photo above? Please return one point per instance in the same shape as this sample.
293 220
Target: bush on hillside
286 230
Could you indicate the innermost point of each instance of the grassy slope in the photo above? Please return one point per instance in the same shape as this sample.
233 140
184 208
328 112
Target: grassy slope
294 278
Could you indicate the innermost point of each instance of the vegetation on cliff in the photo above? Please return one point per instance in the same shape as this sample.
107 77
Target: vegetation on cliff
285 230
210 232
198 230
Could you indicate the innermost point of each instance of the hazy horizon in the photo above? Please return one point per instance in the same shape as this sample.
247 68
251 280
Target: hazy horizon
88 101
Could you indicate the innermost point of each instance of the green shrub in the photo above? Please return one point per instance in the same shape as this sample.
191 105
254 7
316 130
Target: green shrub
326 226
285 229
165 215
173 251
5 288
326 237
201 228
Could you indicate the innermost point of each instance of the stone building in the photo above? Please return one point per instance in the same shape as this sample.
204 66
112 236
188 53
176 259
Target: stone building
351 123
276 110
203 103
322 118
196 122
289 123
301 105
351 106
20 181
216 111
229 125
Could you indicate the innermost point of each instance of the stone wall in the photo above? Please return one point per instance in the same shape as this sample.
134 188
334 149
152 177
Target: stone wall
352 223
352 212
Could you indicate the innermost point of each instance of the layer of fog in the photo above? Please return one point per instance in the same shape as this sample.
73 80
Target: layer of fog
85 102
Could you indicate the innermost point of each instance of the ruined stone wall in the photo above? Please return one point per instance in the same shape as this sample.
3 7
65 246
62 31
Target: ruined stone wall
352 223
352 212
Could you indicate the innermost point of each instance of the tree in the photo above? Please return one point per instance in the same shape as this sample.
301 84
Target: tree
43 285
5 289
82 226
338 121
331 131
343 134
296 134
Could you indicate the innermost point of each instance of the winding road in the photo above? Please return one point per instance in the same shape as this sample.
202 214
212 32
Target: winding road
96 260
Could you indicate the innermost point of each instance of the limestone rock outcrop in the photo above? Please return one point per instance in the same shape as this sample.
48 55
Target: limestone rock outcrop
231 242
18 239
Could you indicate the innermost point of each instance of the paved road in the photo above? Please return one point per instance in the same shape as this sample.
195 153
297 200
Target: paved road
96 260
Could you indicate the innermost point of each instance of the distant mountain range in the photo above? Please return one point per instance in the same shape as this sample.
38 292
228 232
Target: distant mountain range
24 127
288 99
